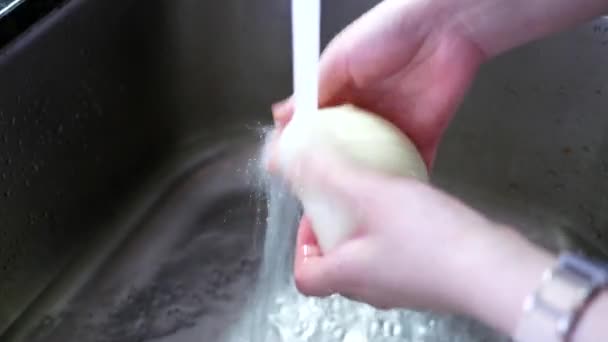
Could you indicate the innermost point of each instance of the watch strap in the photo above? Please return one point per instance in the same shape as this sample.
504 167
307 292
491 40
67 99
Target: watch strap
551 312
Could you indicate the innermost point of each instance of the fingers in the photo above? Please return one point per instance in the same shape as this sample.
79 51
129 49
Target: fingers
312 272
340 271
337 74
323 275
334 78
282 112
379 44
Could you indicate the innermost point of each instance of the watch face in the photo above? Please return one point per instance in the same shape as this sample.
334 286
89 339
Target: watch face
565 291
537 325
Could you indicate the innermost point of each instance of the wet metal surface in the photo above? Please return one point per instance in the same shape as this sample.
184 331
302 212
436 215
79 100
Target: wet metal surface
185 268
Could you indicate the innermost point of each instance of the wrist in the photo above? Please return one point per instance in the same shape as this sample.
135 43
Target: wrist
593 319
496 26
503 269
563 298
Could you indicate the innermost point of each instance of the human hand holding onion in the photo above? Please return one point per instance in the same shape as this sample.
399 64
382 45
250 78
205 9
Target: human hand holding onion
373 229
414 84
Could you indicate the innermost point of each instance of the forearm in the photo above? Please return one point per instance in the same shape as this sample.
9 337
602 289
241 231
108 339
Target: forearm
500 269
499 25
511 270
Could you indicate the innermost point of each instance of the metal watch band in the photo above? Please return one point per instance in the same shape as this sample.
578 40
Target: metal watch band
551 312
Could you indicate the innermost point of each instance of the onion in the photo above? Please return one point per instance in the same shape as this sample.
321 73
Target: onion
365 140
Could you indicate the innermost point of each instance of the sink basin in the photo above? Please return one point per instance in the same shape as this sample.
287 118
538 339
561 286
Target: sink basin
127 134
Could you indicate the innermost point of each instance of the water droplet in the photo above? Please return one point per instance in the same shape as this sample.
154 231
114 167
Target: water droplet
590 219
513 186
374 328
605 168
355 336
387 328
397 330
420 331
338 333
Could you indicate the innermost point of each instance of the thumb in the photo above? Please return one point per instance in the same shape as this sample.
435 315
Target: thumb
317 274
282 112
312 272
323 275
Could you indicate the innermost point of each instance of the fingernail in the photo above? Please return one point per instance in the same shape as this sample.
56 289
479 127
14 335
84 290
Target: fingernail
278 105
310 251
307 251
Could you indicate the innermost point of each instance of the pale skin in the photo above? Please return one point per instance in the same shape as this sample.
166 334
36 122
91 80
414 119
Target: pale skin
412 62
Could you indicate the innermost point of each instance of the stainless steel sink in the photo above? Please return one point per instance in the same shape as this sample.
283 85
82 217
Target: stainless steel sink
126 133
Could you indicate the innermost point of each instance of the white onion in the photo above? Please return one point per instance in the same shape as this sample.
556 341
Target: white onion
364 139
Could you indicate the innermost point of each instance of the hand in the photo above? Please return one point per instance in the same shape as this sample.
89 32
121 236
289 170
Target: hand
397 63
412 61
402 61
415 247
410 239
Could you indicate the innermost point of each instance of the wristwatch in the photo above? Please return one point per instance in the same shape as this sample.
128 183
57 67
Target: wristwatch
551 312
